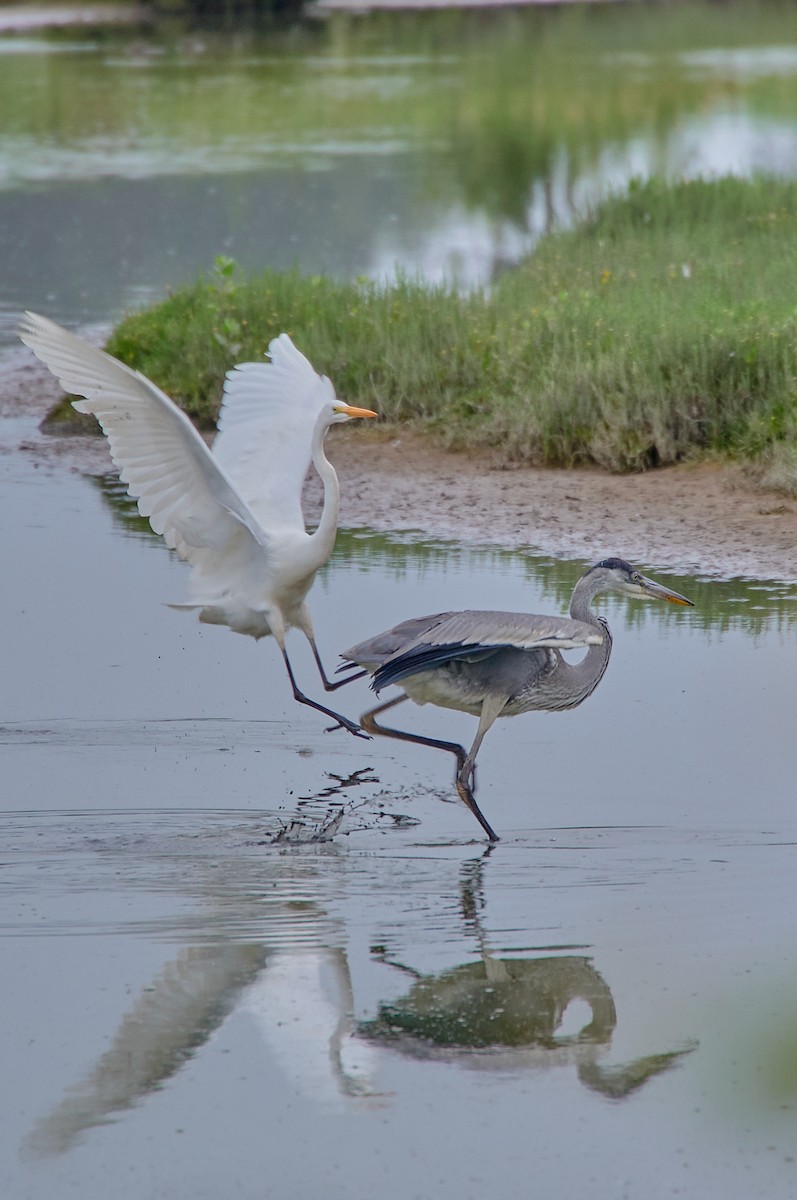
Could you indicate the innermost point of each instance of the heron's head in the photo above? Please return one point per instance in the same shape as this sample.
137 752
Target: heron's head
617 575
338 411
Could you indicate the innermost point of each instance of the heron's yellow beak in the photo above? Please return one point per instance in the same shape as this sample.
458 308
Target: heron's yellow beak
658 591
350 411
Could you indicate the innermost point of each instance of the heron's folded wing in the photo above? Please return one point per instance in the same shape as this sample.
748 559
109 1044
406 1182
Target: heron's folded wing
266 424
375 650
475 634
165 463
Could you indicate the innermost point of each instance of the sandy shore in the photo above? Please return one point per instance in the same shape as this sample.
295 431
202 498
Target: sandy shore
705 519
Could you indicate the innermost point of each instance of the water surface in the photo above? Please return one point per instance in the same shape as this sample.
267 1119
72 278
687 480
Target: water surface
604 1000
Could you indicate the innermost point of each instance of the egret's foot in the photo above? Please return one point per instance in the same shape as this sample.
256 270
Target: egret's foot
345 723
333 687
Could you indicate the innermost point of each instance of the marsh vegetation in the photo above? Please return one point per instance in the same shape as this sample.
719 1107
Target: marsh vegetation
661 327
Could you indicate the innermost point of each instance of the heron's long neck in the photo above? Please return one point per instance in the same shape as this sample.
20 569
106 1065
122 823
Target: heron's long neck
323 536
587 674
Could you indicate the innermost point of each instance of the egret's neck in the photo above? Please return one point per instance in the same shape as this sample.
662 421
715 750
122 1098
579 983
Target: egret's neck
324 534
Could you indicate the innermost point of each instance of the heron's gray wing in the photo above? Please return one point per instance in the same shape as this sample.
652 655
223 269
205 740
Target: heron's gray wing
476 634
375 650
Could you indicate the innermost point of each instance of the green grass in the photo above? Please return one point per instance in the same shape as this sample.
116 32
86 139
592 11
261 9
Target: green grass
664 327
410 350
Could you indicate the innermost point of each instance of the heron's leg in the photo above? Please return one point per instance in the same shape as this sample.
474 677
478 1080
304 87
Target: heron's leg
464 766
342 722
491 707
466 774
367 721
328 685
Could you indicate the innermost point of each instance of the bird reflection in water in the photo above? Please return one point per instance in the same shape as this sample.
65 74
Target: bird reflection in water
296 986
500 1013
170 1021
300 1000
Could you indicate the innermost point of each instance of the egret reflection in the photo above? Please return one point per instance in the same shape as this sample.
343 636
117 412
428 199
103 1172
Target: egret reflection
168 1024
301 1002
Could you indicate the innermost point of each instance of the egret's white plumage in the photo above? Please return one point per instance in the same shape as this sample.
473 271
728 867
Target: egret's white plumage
234 513
265 429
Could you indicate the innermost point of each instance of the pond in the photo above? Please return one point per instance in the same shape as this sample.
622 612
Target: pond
199 999
438 143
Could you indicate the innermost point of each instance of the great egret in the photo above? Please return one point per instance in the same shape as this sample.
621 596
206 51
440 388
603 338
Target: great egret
497 664
233 513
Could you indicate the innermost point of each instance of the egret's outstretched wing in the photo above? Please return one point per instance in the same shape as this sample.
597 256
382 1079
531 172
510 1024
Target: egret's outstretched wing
266 424
471 635
160 456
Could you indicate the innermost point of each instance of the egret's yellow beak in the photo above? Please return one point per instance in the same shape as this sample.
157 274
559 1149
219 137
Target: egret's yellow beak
350 411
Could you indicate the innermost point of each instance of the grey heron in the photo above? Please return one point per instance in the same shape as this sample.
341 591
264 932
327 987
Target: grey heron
497 664
233 512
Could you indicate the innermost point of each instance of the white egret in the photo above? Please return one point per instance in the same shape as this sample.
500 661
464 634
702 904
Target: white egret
234 513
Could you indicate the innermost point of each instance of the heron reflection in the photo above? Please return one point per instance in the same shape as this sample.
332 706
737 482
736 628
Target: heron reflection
499 1013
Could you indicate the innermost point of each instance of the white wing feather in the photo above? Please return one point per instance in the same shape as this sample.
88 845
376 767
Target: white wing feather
266 425
186 495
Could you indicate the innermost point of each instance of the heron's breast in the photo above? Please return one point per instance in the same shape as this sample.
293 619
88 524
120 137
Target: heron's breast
526 679
464 684
444 689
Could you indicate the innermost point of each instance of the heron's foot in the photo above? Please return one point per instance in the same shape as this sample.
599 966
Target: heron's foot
350 726
467 797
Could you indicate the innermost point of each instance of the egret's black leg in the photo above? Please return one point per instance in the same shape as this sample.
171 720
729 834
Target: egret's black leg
342 722
329 686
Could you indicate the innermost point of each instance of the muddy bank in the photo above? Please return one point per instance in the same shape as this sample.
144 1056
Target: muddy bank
705 518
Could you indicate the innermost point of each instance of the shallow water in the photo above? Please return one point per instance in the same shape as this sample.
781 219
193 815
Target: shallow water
197 999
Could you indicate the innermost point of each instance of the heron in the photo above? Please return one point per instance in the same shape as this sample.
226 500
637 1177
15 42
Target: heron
233 512
497 664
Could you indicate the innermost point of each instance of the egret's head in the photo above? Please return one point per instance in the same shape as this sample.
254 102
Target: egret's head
617 575
345 412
